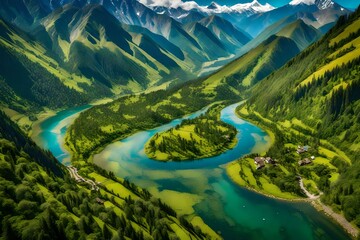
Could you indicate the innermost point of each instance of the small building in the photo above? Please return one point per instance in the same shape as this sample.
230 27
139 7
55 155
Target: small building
269 160
305 161
259 162
312 157
302 149
100 201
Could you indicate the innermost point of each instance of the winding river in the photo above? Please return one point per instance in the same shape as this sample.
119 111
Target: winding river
202 187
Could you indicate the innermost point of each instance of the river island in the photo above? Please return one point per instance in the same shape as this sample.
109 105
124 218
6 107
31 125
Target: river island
201 137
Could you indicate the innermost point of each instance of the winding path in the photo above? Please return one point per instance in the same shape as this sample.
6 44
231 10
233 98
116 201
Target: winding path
74 174
340 219
307 193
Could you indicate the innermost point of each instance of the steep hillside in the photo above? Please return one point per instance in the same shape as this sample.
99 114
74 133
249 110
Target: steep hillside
40 199
24 14
33 78
301 33
212 46
256 64
91 41
230 37
281 25
315 99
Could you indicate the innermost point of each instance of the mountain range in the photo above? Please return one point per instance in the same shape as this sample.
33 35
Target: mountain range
92 49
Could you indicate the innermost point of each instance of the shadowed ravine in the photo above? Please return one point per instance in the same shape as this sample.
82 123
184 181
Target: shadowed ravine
202 186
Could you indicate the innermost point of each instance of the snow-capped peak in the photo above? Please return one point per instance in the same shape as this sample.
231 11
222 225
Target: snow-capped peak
307 2
213 8
254 5
321 4
213 5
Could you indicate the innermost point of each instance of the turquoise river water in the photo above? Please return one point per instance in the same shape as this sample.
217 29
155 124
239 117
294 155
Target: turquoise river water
202 187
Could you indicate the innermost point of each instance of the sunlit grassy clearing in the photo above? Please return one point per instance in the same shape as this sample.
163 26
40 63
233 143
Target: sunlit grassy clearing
352 28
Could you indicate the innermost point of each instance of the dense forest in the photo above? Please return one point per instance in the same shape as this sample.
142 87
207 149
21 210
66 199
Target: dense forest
203 136
39 200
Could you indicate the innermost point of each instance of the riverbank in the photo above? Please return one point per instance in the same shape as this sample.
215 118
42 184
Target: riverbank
234 168
244 112
41 117
47 113
338 218
270 190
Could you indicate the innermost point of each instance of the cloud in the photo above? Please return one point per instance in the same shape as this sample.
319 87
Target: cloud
170 4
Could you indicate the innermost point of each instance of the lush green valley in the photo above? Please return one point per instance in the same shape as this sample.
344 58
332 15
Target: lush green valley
229 83
324 85
204 136
298 138
40 199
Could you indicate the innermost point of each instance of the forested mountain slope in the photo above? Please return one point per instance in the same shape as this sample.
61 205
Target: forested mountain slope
321 88
30 77
39 200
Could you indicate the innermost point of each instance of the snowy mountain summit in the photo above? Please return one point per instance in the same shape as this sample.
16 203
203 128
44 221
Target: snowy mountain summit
251 8
321 4
213 8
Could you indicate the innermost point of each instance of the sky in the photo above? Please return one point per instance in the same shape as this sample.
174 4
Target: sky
275 3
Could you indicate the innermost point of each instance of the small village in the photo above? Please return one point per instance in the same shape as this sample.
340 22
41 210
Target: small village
261 161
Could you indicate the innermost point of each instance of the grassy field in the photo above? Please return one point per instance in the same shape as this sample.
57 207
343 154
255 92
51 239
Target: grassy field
247 179
114 187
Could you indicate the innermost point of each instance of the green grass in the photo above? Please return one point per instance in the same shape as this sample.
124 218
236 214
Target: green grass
310 185
339 152
119 212
334 177
114 187
328 153
332 65
321 160
248 180
352 28
271 189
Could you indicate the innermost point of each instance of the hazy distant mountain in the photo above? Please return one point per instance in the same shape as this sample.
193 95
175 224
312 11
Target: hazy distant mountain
230 36
316 13
292 27
301 33
180 14
186 12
